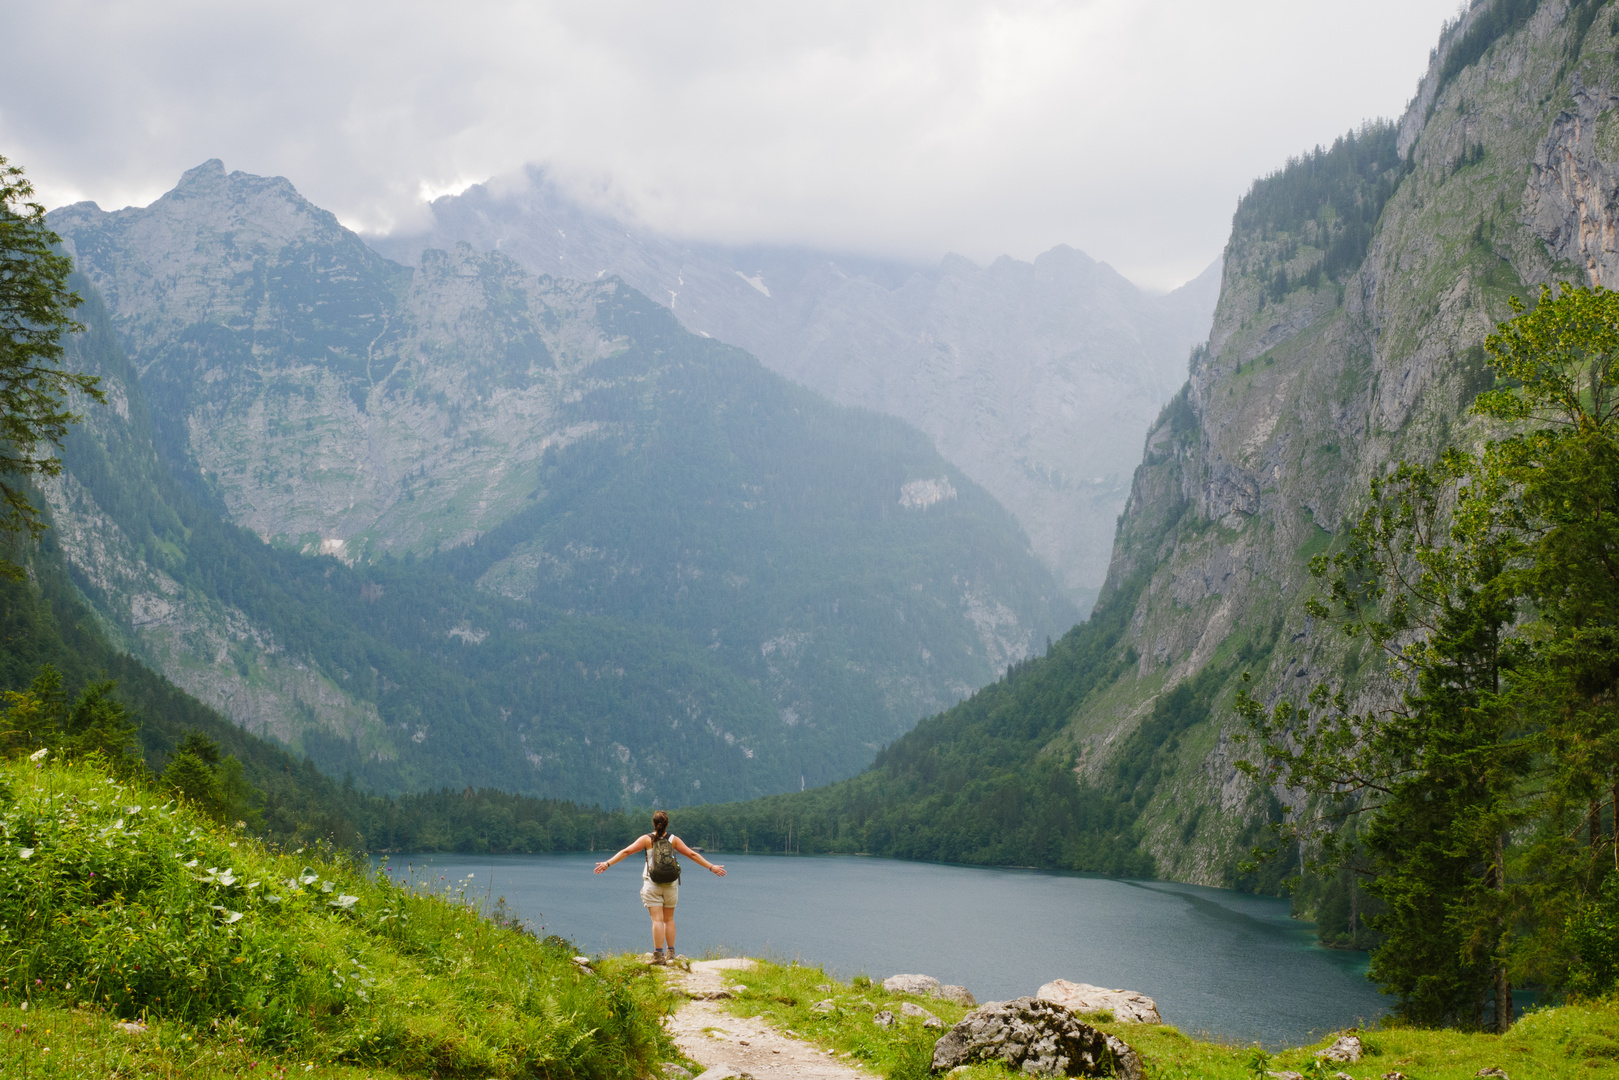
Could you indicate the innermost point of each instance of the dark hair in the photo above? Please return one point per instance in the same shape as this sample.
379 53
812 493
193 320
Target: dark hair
660 823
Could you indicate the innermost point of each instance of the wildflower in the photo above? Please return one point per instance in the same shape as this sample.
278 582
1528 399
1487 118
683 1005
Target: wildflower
38 755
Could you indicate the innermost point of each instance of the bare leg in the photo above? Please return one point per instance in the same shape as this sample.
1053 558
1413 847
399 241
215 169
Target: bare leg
669 929
657 926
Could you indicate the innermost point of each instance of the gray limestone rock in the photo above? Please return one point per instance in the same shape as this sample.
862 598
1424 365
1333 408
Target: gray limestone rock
1038 1038
928 986
826 1006
915 985
1127 1006
928 1019
1345 1048
883 1019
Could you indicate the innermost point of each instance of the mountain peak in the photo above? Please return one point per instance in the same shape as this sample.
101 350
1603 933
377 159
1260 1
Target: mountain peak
211 170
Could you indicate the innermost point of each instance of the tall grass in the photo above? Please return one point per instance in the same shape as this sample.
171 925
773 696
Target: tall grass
115 899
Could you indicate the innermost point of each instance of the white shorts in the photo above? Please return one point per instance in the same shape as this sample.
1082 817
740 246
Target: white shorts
655 895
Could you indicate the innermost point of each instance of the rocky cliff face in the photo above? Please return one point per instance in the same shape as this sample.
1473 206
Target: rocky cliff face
1036 380
1499 179
600 556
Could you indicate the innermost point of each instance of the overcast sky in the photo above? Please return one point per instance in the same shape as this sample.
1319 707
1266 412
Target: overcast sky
1127 128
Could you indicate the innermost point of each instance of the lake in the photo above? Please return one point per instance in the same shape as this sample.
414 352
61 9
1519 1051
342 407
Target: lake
1219 963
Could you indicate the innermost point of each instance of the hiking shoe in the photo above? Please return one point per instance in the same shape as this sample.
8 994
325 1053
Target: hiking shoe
657 957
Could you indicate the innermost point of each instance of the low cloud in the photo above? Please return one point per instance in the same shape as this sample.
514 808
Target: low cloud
1128 128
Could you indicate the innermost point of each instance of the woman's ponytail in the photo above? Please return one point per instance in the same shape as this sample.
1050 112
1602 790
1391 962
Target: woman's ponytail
660 824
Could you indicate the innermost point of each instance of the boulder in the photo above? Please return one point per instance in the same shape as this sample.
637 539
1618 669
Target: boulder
826 1006
1127 1006
928 986
915 985
883 1019
1040 1038
1345 1048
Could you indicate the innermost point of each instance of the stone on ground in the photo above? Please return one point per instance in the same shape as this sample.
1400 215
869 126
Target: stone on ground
1127 1006
1345 1048
1036 1037
928 1019
928 986
915 985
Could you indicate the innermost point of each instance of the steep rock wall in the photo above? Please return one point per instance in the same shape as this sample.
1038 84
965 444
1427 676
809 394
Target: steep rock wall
1498 180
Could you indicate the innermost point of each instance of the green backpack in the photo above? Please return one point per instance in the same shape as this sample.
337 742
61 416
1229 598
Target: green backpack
661 865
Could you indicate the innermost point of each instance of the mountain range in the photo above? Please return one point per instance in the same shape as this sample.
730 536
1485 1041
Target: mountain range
1038 380
462 524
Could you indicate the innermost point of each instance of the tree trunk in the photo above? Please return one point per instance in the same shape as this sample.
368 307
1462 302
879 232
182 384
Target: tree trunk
1594 822
1503 982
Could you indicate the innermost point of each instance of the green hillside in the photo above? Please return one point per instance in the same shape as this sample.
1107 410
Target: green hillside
121 905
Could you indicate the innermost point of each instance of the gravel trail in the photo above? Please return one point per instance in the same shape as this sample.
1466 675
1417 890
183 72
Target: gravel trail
734 1046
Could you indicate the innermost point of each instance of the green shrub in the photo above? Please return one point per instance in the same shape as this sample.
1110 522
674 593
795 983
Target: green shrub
113 898
1593 939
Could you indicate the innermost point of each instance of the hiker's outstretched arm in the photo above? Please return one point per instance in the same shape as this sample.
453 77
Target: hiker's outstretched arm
639 845
680 846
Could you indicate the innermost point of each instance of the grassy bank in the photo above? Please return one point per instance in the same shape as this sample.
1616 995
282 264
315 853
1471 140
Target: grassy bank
118 906
1554 1044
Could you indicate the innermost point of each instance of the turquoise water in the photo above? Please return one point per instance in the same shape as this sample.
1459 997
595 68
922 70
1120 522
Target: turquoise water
1220 963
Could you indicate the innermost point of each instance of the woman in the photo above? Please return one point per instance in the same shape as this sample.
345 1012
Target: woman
660 899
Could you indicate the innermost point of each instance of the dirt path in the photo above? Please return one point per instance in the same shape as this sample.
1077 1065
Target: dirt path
727 1045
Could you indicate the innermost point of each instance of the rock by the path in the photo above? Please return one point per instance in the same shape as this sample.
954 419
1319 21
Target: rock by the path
1037 1037
1127 1006
928 1019
883 1019
915 985
1286 1074
1345 1048
1493 1070
824 1006
928 986
675 1071
721 1072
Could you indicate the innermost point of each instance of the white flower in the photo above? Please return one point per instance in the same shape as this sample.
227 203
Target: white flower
38 755
26 852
